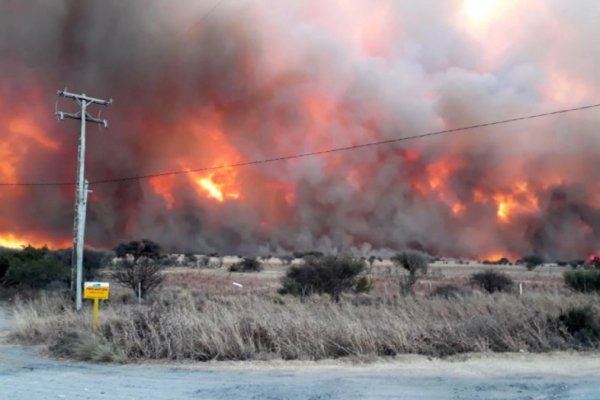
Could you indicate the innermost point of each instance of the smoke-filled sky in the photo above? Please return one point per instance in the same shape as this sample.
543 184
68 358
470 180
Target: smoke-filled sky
259 79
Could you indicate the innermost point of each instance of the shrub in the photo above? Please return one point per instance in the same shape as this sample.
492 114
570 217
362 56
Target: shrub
286 260
532 261
203 261
492 281
248 264
330 275
576 263
449 292
190 259
582 324
583 280
415 263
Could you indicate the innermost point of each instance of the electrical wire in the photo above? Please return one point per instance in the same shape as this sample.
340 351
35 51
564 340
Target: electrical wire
309 154
204 16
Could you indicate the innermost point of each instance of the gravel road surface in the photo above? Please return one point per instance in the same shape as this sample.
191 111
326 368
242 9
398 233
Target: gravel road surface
24 375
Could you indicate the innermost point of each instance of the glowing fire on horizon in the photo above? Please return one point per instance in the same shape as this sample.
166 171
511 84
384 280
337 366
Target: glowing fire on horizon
14 241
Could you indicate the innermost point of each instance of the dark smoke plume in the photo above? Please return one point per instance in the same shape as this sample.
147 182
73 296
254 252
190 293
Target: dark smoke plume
259 79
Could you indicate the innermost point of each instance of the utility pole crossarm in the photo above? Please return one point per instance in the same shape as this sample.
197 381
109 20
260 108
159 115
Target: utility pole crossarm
83 97
63 115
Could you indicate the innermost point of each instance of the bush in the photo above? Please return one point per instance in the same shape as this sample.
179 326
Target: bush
330 275
583 280
415 263
248 264
5 259
306 254
37 274
582 324
449 292
84 347
492 281
532 261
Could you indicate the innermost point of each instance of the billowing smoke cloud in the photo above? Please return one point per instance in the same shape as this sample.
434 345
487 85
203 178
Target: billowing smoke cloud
260 79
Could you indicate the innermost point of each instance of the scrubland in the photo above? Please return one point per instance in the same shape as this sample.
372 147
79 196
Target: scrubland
199 315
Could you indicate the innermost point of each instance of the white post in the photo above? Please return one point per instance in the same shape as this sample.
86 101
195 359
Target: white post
520 289
139 293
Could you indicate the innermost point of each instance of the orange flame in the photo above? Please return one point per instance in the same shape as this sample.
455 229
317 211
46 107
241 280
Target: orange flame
219 185
520 200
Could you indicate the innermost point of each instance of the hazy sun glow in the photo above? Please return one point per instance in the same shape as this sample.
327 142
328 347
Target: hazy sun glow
480 11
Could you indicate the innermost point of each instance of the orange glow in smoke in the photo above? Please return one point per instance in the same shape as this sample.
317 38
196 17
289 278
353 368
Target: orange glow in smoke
458 208
164 187
26 128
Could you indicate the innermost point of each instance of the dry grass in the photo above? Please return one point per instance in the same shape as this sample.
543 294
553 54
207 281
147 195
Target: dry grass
183 325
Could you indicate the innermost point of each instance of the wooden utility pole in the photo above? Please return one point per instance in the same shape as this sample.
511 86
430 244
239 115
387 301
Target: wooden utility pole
81 190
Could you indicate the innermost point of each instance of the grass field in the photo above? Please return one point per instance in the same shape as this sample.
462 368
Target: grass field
199 314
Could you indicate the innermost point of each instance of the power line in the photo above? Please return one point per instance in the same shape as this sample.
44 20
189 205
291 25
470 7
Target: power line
312 153
207 14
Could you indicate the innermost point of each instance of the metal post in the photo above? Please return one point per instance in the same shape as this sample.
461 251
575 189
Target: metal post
96 315
81 190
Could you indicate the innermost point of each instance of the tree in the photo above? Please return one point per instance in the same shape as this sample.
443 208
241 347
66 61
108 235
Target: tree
413 262
93 260
138 267
33 268
503 261
37 274
138 249
330 275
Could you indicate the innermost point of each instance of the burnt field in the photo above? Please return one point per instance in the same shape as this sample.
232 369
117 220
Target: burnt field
545 277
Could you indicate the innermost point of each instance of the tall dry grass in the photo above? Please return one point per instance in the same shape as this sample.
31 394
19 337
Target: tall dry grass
180 325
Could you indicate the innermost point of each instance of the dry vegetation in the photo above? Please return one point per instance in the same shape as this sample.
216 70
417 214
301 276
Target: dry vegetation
209 319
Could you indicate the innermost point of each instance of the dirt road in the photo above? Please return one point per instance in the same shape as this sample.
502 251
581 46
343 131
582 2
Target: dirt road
25 375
